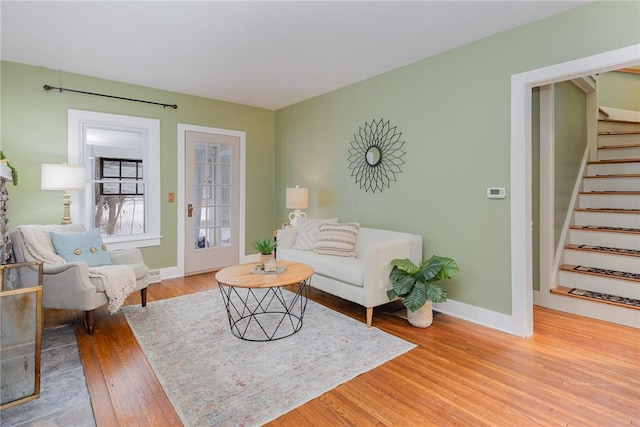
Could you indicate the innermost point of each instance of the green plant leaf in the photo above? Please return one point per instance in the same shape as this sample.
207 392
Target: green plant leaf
265 247
436 293
448 268
403 285
405 265
437 268
416 298
391 294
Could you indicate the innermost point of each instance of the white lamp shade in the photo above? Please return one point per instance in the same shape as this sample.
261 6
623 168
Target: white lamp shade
297 198
62 177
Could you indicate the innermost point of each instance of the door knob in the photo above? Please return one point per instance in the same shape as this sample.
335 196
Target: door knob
189 210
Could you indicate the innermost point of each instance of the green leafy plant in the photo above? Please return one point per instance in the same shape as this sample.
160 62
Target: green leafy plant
265 247
14 172
415 284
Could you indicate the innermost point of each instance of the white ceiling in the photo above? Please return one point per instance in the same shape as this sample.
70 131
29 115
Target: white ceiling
261 53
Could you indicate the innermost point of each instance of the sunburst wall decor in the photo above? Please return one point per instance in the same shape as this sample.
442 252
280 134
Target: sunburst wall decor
375 156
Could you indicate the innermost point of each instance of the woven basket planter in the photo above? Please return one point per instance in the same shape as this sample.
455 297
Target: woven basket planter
422 317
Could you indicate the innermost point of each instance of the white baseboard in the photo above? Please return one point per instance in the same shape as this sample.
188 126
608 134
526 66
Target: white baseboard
536 297
170 273
478 315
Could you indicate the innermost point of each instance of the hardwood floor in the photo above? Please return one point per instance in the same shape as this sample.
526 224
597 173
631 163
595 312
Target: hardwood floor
573 371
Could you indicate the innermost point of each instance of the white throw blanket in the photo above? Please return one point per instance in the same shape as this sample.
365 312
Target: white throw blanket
119 280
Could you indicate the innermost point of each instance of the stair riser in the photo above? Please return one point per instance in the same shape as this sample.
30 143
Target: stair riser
589 282
614 169
602 260
613 127
615 201
612 184
619 153
608 219
606 140
598 238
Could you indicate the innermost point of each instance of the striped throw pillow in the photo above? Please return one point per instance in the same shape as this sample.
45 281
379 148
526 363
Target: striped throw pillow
337 239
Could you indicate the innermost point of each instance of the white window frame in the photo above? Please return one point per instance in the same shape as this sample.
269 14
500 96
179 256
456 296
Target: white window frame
82 209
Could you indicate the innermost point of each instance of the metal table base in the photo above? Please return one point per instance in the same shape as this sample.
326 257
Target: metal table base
264 314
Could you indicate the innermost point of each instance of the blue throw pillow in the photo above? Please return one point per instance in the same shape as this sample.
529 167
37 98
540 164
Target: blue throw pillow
85 246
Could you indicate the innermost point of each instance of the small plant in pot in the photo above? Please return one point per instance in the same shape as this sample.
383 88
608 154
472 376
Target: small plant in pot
416 286
266 248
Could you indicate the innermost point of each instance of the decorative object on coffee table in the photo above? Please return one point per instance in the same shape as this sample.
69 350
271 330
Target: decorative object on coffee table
417 286
266 248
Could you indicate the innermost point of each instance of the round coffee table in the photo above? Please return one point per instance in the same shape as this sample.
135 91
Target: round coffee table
258 307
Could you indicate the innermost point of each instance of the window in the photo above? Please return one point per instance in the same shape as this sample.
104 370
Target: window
122 194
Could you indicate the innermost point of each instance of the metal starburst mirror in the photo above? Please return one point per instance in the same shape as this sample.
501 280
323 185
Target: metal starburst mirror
375 156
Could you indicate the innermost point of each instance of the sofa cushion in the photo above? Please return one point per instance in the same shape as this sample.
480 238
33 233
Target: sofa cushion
307 232
85 246
337 239
345 269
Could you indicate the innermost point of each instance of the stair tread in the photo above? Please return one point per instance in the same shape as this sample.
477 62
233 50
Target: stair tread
620 132
609 210
597 297
620 175
618 146
611 192
618 121
604 162
606 228
602 272
605 249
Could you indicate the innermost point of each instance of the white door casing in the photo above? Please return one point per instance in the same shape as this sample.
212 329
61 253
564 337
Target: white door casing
181 202
521 190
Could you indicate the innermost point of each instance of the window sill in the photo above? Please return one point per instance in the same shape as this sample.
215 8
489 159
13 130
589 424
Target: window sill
128 242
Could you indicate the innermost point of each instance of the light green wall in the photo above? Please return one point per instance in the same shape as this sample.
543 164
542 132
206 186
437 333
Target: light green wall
34 131
454 113
619 90
570 131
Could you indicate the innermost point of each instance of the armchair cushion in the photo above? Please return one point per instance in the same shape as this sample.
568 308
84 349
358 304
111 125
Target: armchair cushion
84 246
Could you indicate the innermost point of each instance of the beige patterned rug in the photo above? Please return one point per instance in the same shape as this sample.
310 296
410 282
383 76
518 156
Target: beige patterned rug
214 378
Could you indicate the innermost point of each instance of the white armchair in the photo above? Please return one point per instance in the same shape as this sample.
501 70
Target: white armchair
69 286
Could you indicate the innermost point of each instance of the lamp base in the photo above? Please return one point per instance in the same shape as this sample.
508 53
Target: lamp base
295 216
66 216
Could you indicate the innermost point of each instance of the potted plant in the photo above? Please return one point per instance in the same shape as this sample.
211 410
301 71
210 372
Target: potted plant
266 248
416 285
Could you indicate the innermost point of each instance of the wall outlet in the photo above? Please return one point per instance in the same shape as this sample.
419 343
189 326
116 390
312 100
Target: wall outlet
154 276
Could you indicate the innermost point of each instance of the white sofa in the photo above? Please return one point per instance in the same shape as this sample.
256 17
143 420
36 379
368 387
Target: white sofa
363 279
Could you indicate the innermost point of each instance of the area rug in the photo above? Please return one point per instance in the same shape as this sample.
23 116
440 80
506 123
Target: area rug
64 398
214 378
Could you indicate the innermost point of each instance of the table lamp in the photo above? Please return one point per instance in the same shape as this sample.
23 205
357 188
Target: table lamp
297 198
63 177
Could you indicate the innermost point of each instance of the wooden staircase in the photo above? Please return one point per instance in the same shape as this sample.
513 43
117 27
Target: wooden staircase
601 261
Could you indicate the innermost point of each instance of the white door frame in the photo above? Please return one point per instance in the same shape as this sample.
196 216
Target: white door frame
182 128
521 191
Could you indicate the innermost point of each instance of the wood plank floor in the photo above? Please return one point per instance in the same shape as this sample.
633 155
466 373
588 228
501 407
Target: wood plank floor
574 371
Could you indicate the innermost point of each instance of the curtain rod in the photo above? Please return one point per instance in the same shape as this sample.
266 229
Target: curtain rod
48 87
